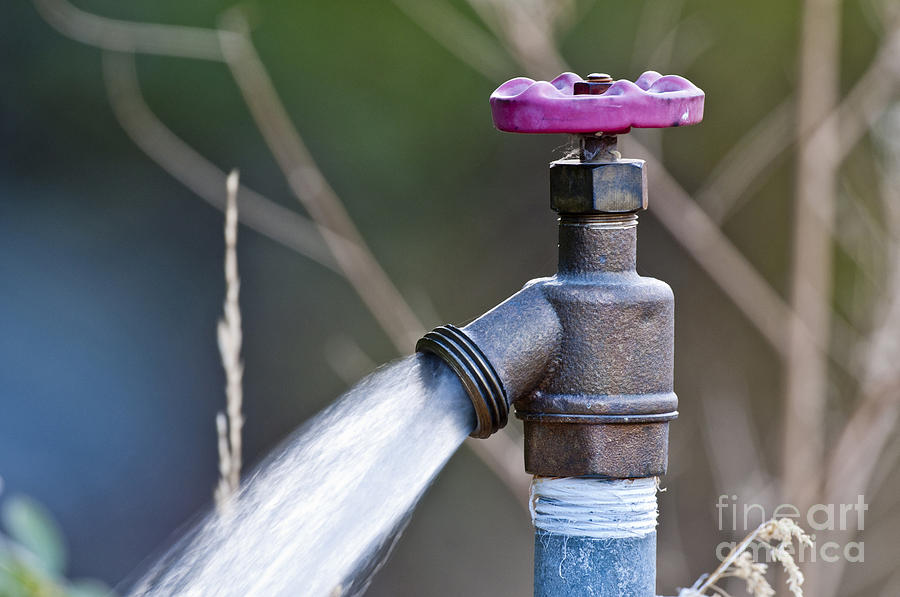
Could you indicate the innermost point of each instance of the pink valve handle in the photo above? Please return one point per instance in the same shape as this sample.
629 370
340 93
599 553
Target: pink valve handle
522 105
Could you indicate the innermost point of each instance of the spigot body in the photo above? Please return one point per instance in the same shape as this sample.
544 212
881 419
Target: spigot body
604 404
587 354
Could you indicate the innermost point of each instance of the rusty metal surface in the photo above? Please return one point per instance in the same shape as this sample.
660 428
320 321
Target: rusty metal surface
581 187
593 84
478 377
595 147
604 404
520 337
586 355
616 451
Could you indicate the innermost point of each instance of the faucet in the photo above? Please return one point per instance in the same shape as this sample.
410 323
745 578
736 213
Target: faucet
585 357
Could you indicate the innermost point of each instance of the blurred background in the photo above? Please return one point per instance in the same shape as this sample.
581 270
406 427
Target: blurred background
776 221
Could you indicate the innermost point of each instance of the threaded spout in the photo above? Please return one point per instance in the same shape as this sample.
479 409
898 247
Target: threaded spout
476 373
502 356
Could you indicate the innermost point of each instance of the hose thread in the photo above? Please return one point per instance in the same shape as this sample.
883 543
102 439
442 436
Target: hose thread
478 377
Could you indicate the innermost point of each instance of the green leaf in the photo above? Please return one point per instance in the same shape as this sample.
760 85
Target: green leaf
9 584
30 525
20 578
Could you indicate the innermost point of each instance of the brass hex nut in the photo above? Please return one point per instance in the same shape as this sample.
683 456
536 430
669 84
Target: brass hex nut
598 187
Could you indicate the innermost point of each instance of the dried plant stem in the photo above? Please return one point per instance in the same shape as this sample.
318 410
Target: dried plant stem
442 21
230 338
745 166
861 443
224 490
127 36
730 559
502 453
806 368
528 30
731 441
311 188
190 168
693 228
863 438
777 538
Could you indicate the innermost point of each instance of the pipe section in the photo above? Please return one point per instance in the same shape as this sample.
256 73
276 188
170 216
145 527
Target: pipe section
594 537
586 356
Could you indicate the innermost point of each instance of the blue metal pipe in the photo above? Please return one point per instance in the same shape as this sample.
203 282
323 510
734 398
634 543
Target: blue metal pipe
594 537
572 566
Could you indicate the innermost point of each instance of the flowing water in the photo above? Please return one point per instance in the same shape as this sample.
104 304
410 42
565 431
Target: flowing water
319 516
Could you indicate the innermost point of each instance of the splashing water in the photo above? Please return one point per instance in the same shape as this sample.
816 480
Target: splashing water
320 515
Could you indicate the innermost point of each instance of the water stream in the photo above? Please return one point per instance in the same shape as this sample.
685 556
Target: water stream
318 517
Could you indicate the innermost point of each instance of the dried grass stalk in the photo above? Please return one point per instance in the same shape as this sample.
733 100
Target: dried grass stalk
776 538
230 338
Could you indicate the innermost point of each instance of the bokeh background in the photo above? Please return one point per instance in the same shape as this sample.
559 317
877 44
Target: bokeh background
112 280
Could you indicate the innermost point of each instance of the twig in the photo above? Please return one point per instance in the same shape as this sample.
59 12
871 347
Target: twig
692 39
862 440
347 358
128 36
747 162
502 453
655 41
725 264
777 538
713 251
230 338
806 369
892 587
527 30
650 36
745 166
224 490
198 174
732 443
311 188
868 99
442 21
860 236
